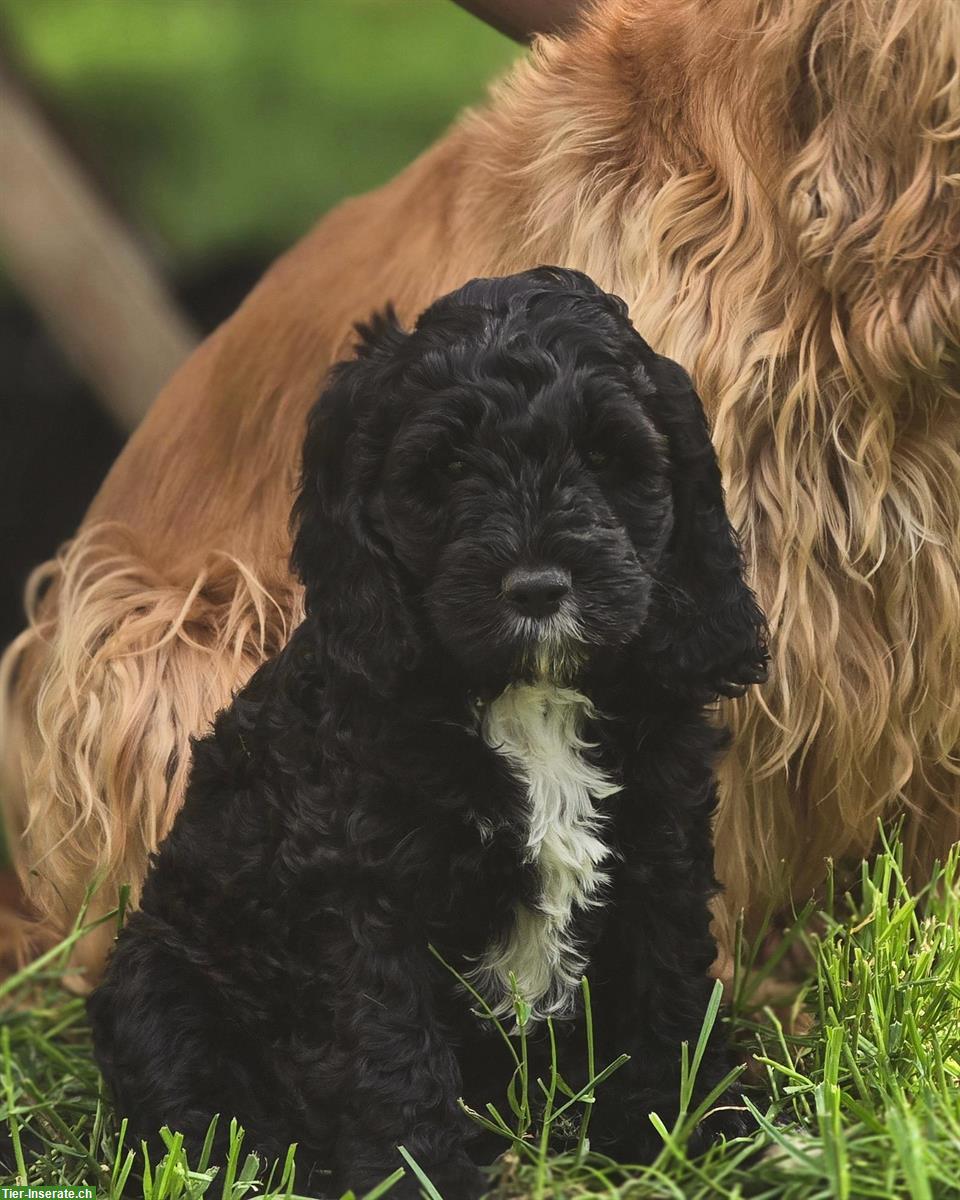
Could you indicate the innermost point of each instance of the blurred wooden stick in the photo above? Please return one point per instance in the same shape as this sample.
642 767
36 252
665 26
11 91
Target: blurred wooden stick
79 266
521 19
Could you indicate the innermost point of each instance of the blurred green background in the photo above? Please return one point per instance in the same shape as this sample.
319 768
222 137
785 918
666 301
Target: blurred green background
225 124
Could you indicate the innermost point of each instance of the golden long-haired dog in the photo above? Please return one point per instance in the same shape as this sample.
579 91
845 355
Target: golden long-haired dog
774 186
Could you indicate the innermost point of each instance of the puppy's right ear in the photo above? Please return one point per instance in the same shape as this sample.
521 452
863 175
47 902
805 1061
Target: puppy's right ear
706 631
354 594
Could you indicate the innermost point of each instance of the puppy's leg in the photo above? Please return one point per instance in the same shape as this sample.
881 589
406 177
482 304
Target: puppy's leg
401 1077
172 1055
653 986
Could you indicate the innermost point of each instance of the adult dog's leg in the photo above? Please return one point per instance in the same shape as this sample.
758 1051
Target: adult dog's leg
105 698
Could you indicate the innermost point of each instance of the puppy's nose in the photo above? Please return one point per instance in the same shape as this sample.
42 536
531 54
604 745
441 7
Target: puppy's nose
536 591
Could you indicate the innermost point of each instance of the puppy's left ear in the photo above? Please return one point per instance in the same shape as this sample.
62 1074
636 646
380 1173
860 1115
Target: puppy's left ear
706 632
354 592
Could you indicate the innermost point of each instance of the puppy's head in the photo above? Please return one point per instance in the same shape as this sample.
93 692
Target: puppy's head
522 481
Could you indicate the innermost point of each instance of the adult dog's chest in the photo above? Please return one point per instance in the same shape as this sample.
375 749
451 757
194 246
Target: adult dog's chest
538 730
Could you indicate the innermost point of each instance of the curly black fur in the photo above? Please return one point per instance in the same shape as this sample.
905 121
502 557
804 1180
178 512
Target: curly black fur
346 810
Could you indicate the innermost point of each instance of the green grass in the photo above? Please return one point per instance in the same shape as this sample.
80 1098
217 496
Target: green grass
858 1077
225 124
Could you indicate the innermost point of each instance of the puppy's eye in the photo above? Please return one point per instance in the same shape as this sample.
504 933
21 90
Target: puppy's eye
453 467
597 460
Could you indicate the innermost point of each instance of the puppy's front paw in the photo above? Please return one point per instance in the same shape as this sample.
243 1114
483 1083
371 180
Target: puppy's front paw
457 1179
729 1118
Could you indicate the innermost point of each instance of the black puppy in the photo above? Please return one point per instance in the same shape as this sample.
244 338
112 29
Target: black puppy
491 734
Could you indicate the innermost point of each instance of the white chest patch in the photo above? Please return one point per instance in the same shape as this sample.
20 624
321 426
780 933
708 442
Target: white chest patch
537 728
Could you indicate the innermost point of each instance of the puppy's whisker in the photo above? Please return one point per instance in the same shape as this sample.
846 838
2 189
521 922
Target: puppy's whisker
553 646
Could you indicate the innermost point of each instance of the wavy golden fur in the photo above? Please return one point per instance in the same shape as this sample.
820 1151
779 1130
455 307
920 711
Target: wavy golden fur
774 186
